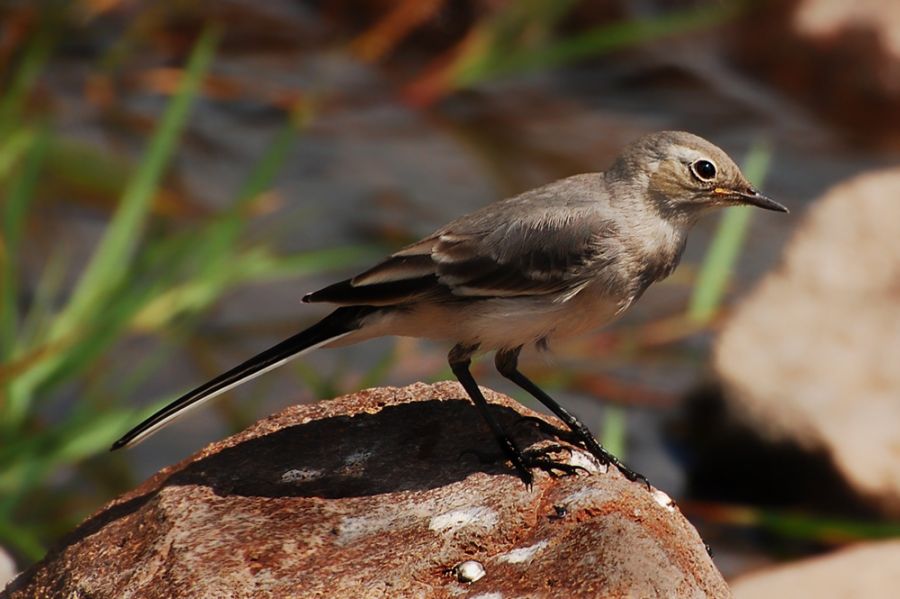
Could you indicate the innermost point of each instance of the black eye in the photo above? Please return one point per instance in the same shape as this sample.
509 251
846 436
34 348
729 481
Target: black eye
703 170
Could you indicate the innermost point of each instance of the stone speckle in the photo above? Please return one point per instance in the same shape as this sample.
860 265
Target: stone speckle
469 571
522 554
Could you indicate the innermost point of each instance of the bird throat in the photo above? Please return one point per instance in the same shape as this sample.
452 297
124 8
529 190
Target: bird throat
659 252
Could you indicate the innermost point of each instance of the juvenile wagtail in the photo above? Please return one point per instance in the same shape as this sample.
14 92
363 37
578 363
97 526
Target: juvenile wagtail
555 261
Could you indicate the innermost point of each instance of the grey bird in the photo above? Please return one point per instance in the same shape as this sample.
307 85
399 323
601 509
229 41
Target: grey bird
555 261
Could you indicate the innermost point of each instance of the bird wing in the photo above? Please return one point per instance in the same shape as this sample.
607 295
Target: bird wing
539 255
522 258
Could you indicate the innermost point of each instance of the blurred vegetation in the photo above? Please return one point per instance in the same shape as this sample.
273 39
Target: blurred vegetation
163 260
521 36
793 525
141 279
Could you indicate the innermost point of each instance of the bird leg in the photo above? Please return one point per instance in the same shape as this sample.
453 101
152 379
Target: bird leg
507 362
460 359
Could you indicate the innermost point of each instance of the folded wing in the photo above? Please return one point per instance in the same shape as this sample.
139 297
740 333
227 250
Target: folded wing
540 257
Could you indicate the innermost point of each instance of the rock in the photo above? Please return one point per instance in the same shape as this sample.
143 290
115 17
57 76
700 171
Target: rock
812 354
842 58
829 19
7 567
379 494
868 570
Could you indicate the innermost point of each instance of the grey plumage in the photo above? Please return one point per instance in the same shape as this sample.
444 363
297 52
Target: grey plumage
555 261
488 254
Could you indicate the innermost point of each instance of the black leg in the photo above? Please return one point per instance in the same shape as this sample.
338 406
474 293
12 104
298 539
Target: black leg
507 362
460 358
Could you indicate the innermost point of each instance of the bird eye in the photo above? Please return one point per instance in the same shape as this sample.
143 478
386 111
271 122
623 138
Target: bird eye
703 170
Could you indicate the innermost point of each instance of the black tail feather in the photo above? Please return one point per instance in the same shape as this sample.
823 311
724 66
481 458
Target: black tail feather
339 322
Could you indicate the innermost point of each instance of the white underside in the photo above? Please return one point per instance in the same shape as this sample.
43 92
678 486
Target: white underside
496 323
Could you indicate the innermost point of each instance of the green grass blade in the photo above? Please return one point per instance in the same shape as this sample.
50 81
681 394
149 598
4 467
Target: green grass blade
796 525
216 245
91 171
827 529
22 539
614 430
605 39
13 100
306 263
39 318
376 374
105 331
248 266
87 434
217 259
112 259
723 252
20 192
16 144
262 175
499 59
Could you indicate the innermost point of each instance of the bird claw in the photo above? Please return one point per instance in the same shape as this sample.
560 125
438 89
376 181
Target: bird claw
537 458
606 458
550 466
588 443
525 462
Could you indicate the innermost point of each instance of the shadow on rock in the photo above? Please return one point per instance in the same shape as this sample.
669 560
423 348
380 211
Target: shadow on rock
405 447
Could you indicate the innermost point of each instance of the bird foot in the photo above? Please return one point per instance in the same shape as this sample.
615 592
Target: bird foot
525 462
605 457
588 442
539 458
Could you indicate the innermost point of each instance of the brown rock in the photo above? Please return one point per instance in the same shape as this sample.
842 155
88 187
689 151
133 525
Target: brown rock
7 567
378 494
828 19
868 570
812 354
842 58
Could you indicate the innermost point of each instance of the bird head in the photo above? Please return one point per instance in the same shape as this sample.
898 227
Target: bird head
684 175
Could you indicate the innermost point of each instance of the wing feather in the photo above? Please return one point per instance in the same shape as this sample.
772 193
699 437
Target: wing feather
549 242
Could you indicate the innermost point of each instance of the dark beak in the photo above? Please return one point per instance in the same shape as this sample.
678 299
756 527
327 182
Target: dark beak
752 197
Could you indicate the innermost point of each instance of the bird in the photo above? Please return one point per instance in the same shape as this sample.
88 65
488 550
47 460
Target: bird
560 260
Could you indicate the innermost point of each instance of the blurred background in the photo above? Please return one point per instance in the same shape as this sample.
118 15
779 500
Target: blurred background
175 175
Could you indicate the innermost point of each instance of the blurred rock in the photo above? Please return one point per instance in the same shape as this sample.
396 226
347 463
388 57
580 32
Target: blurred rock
812 355
827 19
842 58
7 568
379 494
868 570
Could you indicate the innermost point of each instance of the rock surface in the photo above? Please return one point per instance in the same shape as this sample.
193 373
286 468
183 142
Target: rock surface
379 494
812 354
868 570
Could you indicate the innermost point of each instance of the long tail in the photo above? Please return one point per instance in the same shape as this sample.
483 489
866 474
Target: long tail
339 323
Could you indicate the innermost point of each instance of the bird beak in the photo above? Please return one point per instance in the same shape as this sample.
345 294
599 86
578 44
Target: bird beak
752 197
